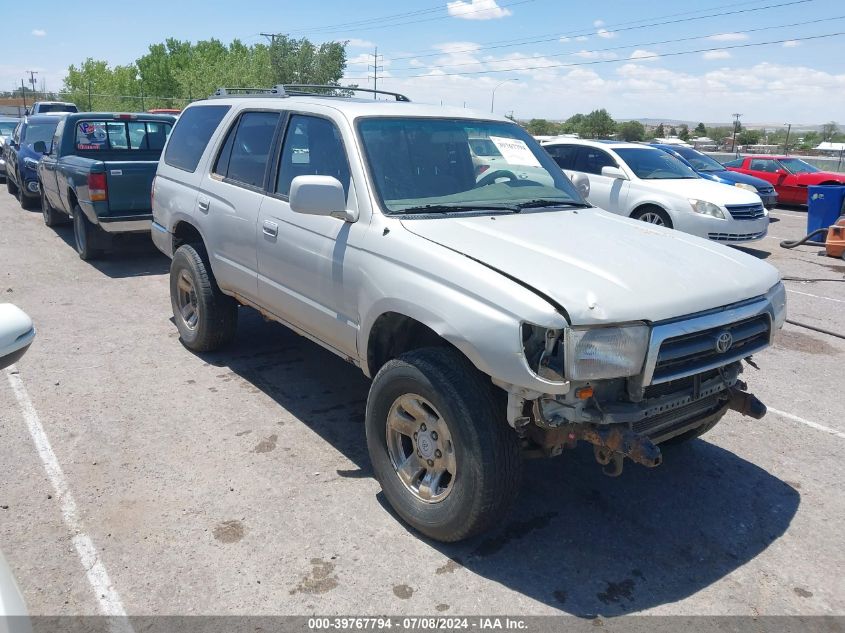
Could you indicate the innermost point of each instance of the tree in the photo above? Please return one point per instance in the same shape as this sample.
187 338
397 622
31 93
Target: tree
541 127
700 130
683 132
632 131
673 131
829 130
572 124
597 124
659 132
748 137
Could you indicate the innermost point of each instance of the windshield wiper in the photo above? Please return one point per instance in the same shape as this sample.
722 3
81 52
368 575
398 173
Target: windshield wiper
450 208
541 203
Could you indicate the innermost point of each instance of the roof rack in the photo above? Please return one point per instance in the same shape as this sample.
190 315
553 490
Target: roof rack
288 90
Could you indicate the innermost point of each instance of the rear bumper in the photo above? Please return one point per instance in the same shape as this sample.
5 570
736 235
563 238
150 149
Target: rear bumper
126 224
162 239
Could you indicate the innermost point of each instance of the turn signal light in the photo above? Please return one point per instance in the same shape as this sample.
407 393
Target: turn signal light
584 393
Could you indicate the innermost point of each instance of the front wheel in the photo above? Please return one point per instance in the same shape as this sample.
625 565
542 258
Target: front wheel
653 215
205 317
441 449
11 187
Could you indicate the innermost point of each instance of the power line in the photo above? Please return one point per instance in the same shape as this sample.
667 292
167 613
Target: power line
611 61
550 37
639 44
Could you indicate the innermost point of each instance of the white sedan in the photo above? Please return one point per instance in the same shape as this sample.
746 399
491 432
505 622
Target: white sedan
648 184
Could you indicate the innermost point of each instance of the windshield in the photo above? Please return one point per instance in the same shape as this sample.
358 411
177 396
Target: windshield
7 127
428 164
798 166
40 132
654 164
699 161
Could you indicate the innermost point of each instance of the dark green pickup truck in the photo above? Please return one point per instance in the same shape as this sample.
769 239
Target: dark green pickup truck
99 172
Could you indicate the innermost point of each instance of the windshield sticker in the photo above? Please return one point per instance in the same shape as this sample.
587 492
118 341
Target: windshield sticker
515 151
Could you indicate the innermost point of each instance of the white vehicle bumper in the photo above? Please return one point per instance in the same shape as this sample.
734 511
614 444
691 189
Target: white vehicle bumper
728 230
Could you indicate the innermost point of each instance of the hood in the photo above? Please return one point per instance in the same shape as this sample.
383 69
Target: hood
703 189
731 177
603 268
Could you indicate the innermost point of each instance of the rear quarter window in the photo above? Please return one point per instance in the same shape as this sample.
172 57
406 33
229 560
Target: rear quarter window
191 135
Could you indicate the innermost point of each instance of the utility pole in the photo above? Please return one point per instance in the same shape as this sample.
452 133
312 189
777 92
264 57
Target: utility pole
736 116
270 36
32 80
375 68
89 95
23 94
786 144
141 86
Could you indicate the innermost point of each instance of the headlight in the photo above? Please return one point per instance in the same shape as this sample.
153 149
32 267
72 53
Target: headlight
746 186
777 296
605 352
707 208
30 163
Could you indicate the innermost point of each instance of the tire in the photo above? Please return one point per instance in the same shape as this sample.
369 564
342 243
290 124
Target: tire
27 202
86 236
214 317
652 214
51 216
11 187
685 437
452 394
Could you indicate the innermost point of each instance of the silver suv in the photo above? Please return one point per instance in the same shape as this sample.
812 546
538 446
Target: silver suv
499 315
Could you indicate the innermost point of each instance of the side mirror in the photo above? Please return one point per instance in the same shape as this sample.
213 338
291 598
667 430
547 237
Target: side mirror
319 195
582 184
16 334
40 147
614 172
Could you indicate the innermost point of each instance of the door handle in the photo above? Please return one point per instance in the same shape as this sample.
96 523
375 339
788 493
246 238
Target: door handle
270 229
203 204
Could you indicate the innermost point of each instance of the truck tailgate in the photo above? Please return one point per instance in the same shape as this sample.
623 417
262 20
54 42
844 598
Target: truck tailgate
129 185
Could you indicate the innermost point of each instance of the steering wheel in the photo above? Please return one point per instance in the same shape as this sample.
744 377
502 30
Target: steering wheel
492 177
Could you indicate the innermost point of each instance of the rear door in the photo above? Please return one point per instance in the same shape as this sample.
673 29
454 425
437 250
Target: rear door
606 193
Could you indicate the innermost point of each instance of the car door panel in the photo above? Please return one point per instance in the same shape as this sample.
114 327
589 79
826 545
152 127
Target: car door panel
606 193
308 264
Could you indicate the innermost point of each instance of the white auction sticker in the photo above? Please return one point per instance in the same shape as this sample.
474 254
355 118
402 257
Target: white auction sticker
515 151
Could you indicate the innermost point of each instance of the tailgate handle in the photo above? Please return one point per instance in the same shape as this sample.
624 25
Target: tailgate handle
203 204
271 229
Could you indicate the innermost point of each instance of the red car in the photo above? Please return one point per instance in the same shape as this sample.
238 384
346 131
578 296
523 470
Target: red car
790 176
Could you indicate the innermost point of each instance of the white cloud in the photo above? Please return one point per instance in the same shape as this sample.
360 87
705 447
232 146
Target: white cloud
564 39
354 42
606 34
361 59
644 55
476 10
595 54
598 23
581 38
728 37
39 32
716 55
791 44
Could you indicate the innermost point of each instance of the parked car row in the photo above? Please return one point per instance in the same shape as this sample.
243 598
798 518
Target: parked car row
444 252
790 176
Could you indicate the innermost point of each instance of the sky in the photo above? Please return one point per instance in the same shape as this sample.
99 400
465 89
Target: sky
698 61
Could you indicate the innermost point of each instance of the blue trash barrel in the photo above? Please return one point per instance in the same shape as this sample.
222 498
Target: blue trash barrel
824 206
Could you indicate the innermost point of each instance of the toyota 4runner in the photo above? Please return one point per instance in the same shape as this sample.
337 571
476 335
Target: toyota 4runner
498 314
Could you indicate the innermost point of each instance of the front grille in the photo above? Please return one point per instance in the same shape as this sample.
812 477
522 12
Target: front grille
687 383
746 211
678 416
696 352
736 237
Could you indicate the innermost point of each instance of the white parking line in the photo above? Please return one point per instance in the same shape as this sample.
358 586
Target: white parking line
807 294
791 215
107 596
810 423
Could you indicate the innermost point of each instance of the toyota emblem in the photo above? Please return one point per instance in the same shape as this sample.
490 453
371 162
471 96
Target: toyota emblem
724 342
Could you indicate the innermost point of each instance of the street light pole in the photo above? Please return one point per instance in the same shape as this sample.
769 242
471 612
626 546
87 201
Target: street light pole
786 144
493 96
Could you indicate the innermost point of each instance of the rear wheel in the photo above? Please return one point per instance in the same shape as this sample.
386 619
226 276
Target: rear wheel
205 317
445 457
653 215
86 236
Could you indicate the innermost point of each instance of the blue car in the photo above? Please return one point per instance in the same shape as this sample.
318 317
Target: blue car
712 169
29 142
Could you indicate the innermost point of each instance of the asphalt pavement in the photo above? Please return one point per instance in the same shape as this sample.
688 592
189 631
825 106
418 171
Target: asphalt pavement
142 478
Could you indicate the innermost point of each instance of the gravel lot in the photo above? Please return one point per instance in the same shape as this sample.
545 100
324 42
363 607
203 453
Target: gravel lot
238 482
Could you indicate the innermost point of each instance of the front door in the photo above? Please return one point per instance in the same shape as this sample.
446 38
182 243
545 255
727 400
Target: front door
308 270
606 193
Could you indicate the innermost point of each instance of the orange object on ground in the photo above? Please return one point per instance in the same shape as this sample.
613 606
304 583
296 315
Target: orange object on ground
835 242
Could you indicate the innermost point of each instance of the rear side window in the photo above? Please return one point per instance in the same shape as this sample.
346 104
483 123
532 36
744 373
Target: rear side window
247 148
191 135
591 160
312 148
735 163
761 164
564 155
